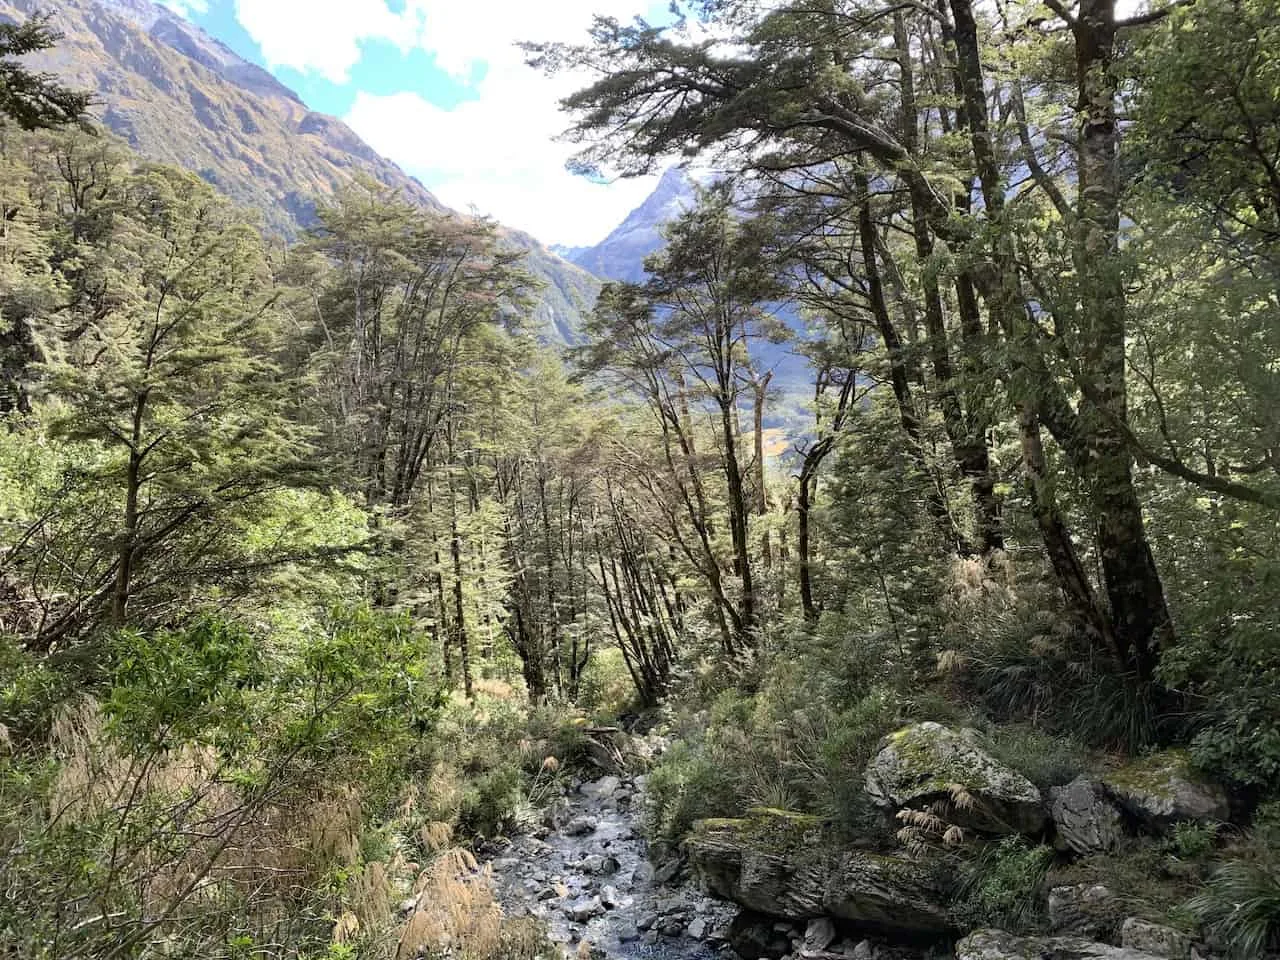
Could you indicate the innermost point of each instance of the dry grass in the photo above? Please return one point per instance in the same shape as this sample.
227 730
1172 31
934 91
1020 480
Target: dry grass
455 911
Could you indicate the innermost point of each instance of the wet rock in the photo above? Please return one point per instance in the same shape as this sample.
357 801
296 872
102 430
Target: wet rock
926 762
580 911
1086 819
1084 910
610 897
1162 790
697 929
601 789
998 945
647 922
752 936
667 871
1139 934
779 864
865 950
628 934
819 935
581 826
672 928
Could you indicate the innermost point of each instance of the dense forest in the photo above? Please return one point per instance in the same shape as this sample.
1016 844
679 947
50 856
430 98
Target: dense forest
321 572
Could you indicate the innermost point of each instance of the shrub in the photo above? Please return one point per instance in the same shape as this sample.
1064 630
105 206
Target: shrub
1004 886
1240 907
1044 759
489 802
688 785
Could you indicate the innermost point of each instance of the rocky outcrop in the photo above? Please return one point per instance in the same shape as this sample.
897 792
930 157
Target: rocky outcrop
998 945
1162 790
927 762
1088 910
778 863
1162 941
1085 818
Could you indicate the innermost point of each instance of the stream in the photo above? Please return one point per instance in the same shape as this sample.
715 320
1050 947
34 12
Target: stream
586 874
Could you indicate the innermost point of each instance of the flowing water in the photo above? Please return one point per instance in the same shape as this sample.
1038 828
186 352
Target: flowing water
587 875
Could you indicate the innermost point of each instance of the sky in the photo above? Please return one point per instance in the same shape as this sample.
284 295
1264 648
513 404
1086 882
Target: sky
440 87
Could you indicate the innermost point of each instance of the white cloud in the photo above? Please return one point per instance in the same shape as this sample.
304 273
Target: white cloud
187 8
323 36
497 151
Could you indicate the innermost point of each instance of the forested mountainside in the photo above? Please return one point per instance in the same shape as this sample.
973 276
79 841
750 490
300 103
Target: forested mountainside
345 614
179 96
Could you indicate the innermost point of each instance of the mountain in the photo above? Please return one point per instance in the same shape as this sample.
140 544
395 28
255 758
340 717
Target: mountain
620 256
178 95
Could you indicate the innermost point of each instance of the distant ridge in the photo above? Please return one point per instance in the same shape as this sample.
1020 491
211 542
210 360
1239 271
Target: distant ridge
180 96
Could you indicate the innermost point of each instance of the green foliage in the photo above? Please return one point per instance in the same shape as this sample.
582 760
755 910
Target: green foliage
1004 886
1043 758
490 801
1240 907
687 786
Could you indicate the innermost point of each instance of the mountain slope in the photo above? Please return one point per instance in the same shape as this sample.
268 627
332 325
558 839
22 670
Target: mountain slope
620 256
179 96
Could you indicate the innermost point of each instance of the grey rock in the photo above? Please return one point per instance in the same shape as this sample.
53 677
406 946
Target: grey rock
1088 910
925 762
1139 934
610 898
752 935
819 935
697 929
1161 790
580 911
672 928
998 945
602 788
1086 819
581 826
865 950
668 871
800 876
408 906
628 934
648 921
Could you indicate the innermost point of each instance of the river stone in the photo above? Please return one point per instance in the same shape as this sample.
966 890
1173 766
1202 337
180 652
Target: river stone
580 911
1139 934
697 928
752 937
600 789
923 762
1088 910
998 945
819 935
1086 820
779 864
581 826
667 871
1161 790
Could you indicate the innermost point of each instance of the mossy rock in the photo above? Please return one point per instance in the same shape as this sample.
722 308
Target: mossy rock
1162 789
783 864
999 945
926 762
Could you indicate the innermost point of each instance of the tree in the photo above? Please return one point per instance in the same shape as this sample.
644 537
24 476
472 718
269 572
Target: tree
35 101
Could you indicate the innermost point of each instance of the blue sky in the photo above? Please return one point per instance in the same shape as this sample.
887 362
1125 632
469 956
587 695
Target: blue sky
439 87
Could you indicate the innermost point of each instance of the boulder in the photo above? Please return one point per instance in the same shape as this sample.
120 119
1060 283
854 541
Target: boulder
580 911
1088 910
926 762
819 935
697 928
581 826
601 789
998 945
778 863
1139 934
752 936
1161 790
1085 817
